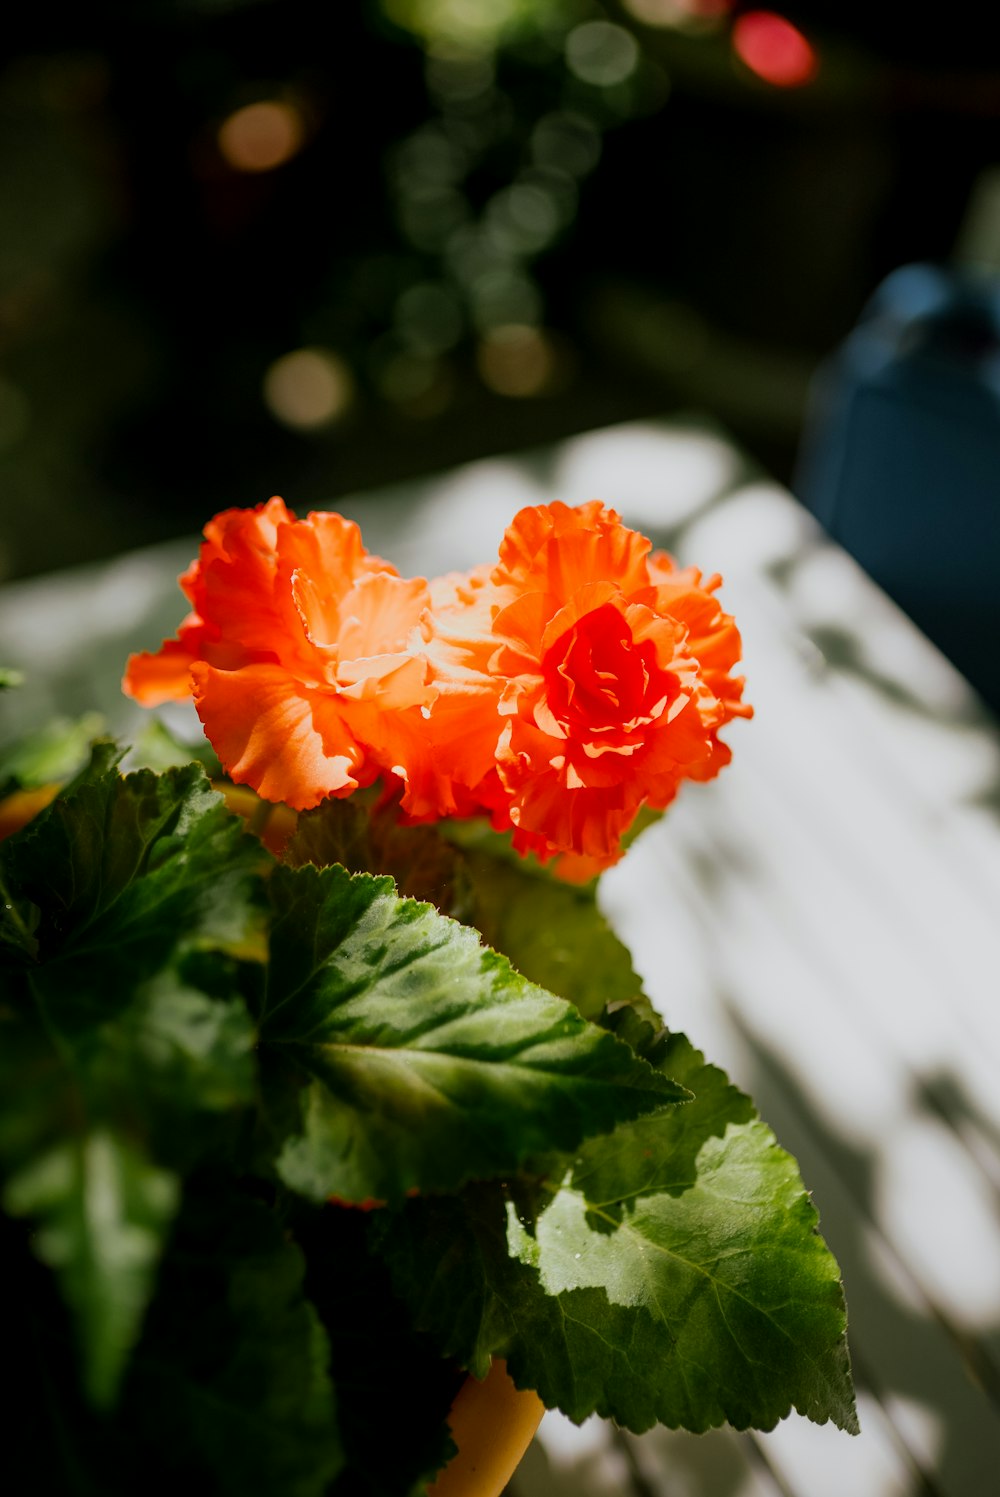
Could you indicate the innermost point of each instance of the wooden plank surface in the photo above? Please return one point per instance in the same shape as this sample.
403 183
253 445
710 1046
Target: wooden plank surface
822 920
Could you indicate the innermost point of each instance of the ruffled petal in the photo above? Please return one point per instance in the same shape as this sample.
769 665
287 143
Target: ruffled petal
289 742
393 682
557 549
379 614
446 752
157 676
319 561
164 675
234 590
713 638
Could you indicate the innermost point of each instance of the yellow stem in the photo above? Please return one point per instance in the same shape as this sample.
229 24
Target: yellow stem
492 1423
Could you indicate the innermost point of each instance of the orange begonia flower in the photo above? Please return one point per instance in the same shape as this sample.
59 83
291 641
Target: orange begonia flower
578 680
590 679
296 653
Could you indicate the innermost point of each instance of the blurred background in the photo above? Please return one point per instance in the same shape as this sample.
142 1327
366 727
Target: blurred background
251 247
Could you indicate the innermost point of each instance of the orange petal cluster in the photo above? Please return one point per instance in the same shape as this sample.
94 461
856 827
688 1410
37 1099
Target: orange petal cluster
297 653
609 670
578 680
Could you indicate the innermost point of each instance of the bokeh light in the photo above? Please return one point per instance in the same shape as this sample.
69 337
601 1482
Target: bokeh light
469 22
683 15
309 388
431 156
774 49
516 360
504 295
429 317
262 136
523 218
601 53
419 386
566 142
459 77
429 215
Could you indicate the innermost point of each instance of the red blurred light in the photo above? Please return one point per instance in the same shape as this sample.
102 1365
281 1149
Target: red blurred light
774 49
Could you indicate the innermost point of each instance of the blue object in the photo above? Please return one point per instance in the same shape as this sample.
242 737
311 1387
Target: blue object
900 458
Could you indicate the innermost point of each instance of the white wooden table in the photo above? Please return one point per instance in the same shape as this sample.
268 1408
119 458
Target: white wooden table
824 920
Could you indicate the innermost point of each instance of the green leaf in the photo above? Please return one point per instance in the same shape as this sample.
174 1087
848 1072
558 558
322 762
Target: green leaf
431 1061
10 678
673 1274
126 1049
53 753
365 837
101 1209
175 1052
143 894
83 1115
231 1379
156 747
553 932
385 1373
123 870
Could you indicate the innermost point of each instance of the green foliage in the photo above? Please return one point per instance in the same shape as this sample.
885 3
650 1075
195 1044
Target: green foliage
106 947
365 836
101 1211
156 747
690 1249
228 1390
387 1374
552 932
232 1377
432 1061
116 868
54 753
198 1047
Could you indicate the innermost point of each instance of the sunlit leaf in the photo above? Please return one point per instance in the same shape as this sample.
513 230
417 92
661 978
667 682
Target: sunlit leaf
430 1060
672 1274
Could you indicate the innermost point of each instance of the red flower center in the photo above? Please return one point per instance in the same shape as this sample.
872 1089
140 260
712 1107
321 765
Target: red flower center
596 675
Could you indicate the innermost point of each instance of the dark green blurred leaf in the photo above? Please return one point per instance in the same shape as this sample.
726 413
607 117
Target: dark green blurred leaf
101 1211
387 1375
230 1383
553 932
126 1051
156 747
51 755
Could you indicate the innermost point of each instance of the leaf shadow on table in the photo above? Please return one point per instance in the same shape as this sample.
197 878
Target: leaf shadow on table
843 651
907 1350
667 1464
927 1375
988 797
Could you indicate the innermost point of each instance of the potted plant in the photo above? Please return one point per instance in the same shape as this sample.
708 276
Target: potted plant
312 1112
